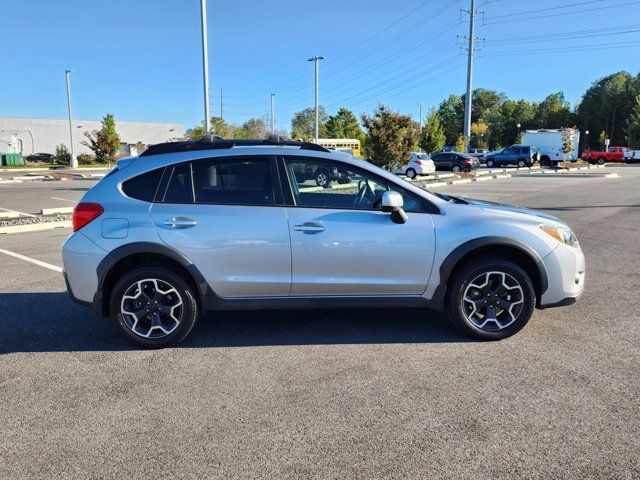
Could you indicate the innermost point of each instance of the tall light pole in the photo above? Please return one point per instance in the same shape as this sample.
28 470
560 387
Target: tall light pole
518 134
205 65
420 115
316 59
273 112
586 139
467 107
74 161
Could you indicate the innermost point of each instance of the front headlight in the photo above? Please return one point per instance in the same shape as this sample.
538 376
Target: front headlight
562 234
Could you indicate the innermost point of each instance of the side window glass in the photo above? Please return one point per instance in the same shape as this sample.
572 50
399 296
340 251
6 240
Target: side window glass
143 187
319 184
179 185
243 181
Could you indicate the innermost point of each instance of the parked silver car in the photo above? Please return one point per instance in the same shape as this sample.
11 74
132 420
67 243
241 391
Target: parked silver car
190 227
419 164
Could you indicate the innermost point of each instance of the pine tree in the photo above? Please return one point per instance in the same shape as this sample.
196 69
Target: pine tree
104 143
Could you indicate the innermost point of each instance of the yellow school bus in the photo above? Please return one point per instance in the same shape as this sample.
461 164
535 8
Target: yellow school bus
349 145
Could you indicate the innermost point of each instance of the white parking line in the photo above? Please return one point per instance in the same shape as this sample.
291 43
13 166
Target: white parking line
55 268
21 213
63 199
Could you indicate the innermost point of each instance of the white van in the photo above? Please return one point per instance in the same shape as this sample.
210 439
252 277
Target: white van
549 144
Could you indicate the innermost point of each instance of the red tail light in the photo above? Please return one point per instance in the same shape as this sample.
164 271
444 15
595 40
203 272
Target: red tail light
84 213
468 160
418 162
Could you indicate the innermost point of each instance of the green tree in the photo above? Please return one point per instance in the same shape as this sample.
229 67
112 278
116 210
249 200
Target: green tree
479 131
451 113
195 133
432 138
460 144
104 143
303 124
553 112
601 138
62 155
344 124
607 105
633 126
252 128
390 137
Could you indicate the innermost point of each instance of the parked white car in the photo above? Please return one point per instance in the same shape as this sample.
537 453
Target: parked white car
419 164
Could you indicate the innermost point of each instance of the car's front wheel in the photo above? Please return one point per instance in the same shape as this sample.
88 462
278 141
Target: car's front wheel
601 161
522 164
490 163
153 307
491 298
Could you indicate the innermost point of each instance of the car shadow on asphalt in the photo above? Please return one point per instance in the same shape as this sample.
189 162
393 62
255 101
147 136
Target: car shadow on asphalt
51 322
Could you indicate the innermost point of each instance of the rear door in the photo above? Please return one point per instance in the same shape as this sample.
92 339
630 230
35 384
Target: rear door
225 214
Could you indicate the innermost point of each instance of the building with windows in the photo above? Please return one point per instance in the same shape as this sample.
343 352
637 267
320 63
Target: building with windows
41 135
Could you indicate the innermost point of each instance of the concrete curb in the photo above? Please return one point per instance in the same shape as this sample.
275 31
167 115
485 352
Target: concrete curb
8 215
53 211
35 227
433 185
482 179
456 182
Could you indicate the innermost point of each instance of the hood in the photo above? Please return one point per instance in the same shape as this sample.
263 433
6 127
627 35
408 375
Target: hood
513 210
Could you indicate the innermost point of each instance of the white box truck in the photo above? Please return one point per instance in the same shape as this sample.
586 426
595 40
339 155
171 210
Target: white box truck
549 144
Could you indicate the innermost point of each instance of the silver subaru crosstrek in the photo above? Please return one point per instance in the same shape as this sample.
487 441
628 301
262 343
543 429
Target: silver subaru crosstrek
194 227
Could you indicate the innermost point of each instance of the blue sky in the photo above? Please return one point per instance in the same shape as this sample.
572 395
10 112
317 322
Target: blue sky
140 59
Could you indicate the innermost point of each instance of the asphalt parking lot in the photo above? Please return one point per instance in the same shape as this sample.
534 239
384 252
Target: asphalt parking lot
326 394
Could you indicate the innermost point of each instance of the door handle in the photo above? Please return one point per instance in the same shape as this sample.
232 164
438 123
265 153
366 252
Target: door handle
309 227
180 222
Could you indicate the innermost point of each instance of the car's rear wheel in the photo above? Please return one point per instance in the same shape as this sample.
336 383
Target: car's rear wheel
601 161
153 307
491 298
490 163
456 168
411 173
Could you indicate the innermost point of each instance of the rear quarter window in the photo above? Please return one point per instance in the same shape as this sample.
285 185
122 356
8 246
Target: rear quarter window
143 187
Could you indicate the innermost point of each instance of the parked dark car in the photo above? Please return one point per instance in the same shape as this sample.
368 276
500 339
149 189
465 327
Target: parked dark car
519 155
40 157
479 153
454 161
448 148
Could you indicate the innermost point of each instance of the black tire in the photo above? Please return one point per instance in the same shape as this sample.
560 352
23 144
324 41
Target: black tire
411 173
521 163
601 161
467 274
322 178
188 314
490 163
456 168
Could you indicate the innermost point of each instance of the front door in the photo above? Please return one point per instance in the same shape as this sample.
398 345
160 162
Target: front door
222 215
343 244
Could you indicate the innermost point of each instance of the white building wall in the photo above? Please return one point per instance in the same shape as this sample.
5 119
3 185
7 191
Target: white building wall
43 134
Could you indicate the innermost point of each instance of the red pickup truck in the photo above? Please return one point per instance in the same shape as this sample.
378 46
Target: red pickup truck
614 154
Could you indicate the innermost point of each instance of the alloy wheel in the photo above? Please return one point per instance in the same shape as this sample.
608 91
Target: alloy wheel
492 301
152 308
322 179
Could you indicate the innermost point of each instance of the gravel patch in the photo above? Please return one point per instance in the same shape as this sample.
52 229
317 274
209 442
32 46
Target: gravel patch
12 222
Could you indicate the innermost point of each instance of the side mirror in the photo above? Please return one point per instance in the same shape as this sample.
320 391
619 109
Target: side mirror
392 202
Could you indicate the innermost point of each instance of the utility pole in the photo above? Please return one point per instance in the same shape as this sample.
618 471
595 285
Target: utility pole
470 50
205 65
316 59
273 110
74 161
221 108
420 116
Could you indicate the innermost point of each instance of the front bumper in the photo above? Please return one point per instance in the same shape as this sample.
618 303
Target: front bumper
565 268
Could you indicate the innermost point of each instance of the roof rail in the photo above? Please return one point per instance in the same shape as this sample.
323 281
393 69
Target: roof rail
211 142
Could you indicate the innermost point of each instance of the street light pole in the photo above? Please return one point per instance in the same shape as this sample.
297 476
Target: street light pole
74 161
420 115
273 110
518 134
205 65
316 59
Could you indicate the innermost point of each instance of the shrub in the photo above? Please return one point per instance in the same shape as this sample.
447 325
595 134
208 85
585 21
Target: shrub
86 159
62 155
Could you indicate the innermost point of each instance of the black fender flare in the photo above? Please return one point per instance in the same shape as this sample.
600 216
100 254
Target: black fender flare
124 251
449 263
